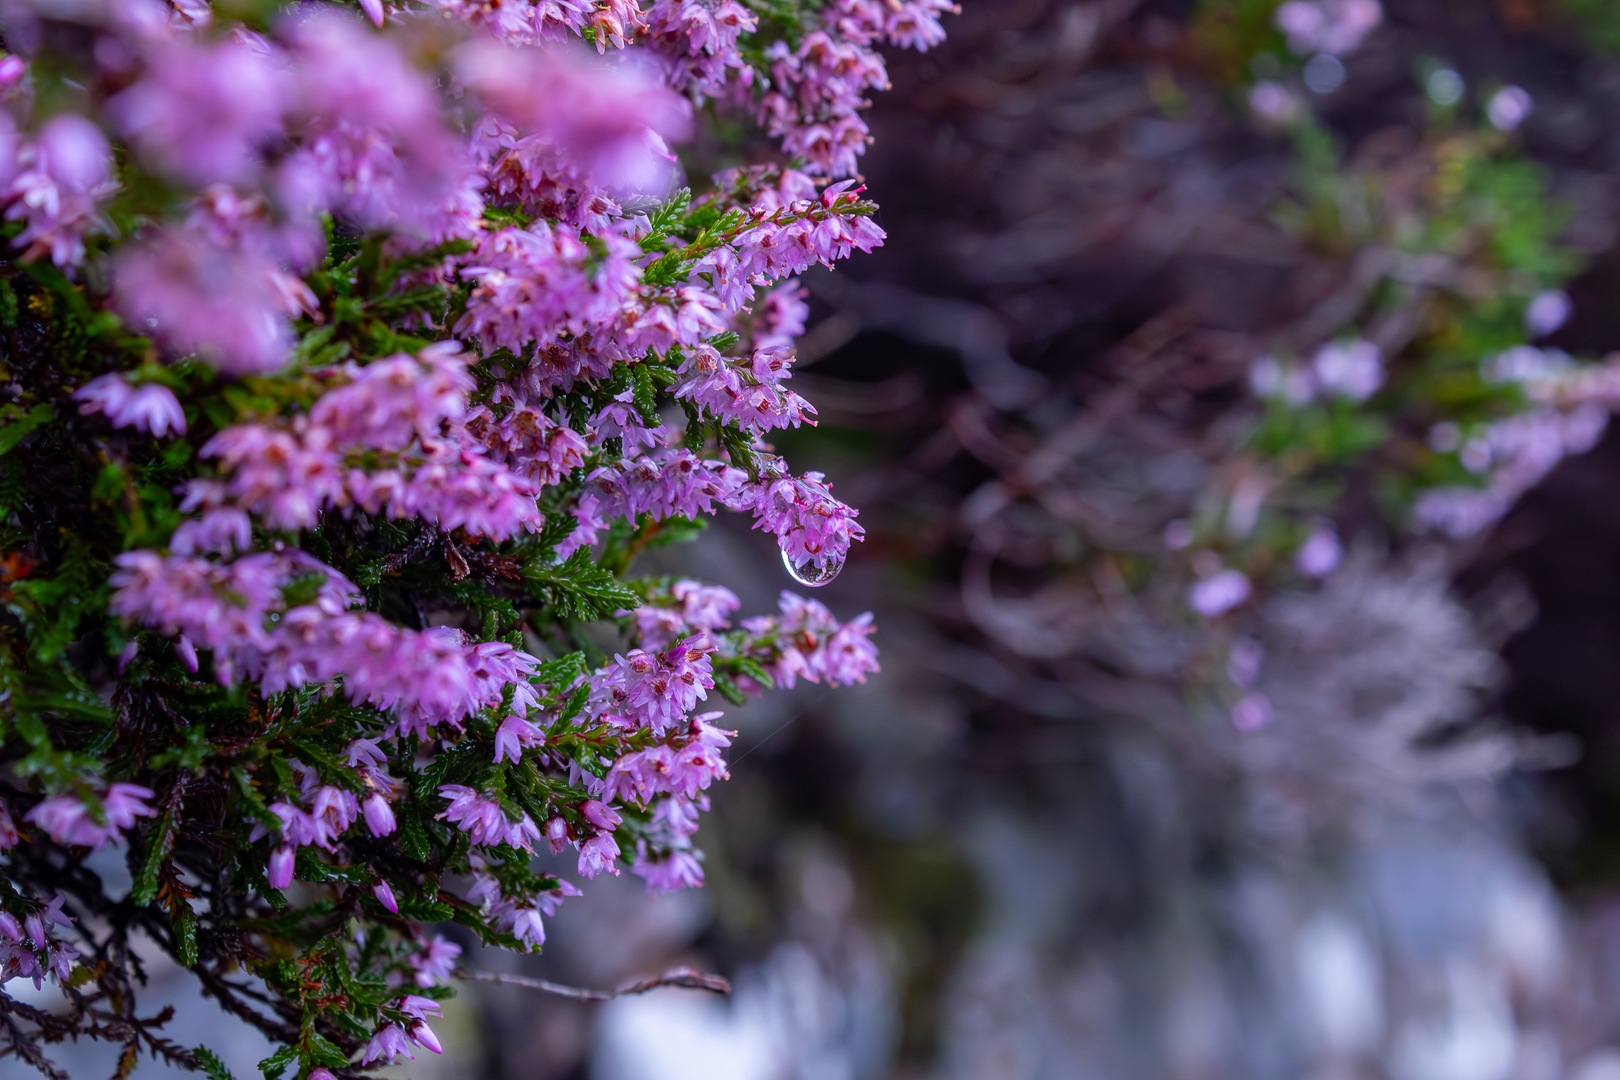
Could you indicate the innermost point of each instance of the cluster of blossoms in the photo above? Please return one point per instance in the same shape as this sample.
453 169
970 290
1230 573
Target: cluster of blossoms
1568 407
366 329
1335 27
1431 431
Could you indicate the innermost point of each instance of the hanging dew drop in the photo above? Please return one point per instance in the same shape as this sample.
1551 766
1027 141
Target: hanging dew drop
812 572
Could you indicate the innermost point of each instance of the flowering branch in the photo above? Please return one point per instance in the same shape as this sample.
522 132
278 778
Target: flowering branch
347 363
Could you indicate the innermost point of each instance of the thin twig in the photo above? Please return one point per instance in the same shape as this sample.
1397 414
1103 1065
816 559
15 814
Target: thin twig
681 976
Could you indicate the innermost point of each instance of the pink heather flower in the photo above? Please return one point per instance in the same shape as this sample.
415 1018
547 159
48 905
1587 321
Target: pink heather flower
51 914
780 316
747 391
150 407
513 736
538 283
385 896
1509 107
423 1035
128 653
63 173
1352 369
529 442
1548 310
610 120
67 819
809 524
1219 593
202 113
655 689
638 776
332 812
374 146
374 12
417 1007
392 402
1321 553
387 1043
1252 712
229 307
528 928
462 491
1337 27
556 835
280 870
321 1072
186 652
483 820
379 815
700 41
598 854
676 870
668 483
849 655
811 643
280 479
366 754
915 24
59 957
521 24
620 419
599 815
436 960
699 763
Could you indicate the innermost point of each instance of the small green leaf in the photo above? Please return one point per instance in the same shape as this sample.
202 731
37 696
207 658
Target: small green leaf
211 1065
273 1066
322 1051
160 840
16 432
185 937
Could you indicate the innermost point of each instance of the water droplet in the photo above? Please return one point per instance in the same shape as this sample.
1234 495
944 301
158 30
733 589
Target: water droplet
813 572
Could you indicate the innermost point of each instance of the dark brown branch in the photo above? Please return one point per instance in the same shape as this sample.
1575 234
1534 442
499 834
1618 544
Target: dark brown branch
686 977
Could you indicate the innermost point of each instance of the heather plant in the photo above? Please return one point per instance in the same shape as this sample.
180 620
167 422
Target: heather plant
352 356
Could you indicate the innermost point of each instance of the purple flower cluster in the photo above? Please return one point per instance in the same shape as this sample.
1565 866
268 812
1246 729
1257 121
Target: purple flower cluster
809 524
483 820
746 390
819 88
228 305
682 610
30 949
699 40
150 407
422 677
405 417
54 182
533 285
684 766
521 917
558 118
790 229
70 820
393 1039
654 690
807 641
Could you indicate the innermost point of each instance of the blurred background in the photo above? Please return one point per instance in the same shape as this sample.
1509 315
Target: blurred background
1227 414
1363 821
